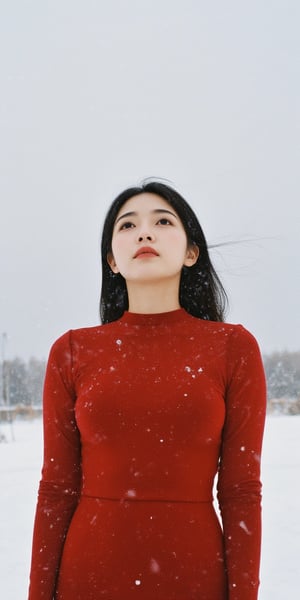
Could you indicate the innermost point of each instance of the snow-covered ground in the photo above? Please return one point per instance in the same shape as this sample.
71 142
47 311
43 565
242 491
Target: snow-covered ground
20 462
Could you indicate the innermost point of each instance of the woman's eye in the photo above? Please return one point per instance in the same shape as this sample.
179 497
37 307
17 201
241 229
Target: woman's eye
164 221
126 225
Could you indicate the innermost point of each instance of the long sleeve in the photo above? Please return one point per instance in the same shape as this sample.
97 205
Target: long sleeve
239 486
61 473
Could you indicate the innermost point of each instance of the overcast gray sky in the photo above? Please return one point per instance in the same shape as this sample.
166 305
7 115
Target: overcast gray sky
97 95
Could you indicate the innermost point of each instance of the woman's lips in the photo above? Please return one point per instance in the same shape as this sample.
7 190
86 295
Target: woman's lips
145 252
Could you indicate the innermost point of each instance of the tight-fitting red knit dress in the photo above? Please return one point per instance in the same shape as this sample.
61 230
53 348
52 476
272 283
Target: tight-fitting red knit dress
139 416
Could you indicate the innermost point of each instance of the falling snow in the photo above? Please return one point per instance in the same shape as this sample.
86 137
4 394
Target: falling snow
243 526
154 566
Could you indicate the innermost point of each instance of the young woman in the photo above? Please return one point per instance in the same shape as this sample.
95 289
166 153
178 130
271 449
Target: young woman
140 414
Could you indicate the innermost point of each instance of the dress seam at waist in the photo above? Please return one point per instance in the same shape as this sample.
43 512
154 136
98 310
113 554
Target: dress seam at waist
130 499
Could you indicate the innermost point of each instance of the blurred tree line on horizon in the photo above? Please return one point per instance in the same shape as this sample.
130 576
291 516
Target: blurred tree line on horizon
21 382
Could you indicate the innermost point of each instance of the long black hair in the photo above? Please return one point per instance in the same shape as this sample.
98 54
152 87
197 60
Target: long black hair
201 292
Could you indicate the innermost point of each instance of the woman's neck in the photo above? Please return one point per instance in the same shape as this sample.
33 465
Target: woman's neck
153 298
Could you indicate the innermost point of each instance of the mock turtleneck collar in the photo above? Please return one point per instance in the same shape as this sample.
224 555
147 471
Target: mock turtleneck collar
153 319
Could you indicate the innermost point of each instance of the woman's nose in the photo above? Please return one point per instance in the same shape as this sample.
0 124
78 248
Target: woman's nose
145 236
145 233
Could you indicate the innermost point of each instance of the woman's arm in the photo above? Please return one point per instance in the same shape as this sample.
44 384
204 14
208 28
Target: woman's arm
61 474
239 486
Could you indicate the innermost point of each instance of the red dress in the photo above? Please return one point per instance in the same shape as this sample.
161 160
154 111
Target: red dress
139 416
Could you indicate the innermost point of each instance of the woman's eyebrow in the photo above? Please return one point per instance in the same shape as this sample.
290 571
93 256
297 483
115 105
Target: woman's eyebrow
155 211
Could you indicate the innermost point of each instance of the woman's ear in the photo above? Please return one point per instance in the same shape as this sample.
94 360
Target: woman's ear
192 255
112 263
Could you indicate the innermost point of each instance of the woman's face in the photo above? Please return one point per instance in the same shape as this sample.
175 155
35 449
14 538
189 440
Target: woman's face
149 242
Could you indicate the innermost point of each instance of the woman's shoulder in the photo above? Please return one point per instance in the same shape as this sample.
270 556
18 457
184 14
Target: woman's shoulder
80 337
216 327
235 334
